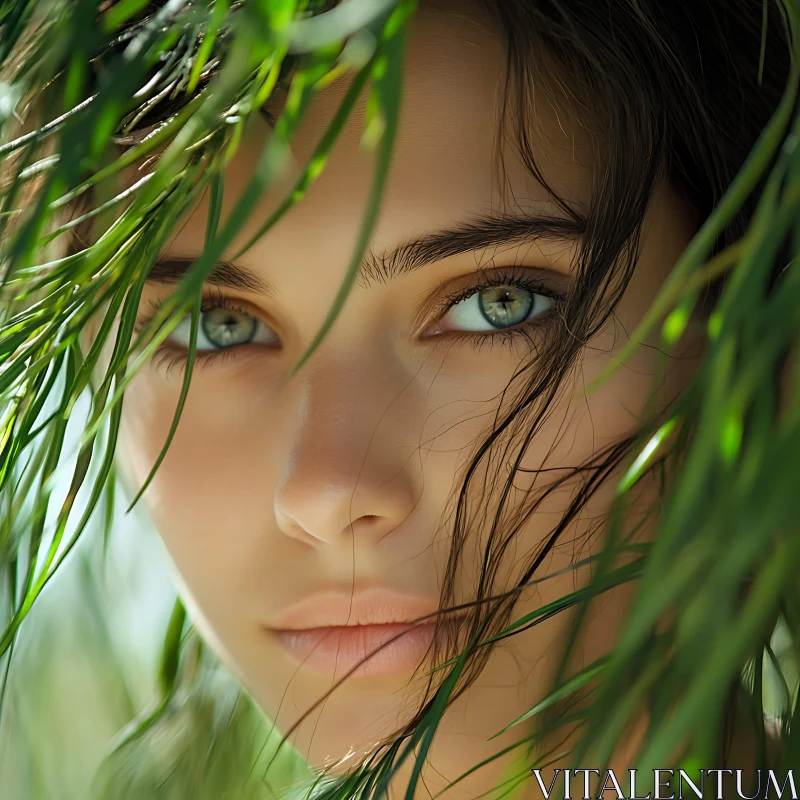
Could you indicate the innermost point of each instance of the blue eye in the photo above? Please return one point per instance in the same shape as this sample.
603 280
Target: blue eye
222 328
493 308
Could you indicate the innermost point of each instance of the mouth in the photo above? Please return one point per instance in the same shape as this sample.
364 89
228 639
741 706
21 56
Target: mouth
336 650
333 631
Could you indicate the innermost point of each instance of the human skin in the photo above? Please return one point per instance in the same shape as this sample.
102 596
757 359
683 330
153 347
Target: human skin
275 487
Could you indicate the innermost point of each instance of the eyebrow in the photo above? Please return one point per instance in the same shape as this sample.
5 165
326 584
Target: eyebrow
171 269
474 235
480 233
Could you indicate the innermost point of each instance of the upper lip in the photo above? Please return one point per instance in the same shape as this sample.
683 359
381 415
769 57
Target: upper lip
340 607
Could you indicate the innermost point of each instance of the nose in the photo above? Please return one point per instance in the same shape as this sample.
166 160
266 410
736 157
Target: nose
347 471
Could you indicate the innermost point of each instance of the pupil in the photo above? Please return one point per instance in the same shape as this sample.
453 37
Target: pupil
505 306
224 327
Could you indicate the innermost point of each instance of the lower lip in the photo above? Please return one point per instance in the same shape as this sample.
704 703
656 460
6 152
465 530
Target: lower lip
337 650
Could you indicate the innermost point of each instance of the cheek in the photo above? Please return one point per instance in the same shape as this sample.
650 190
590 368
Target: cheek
211 496
576 431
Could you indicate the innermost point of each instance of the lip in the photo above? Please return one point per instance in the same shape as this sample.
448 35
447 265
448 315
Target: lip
344 606
331 631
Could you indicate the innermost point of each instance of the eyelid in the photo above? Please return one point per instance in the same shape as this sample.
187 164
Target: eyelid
547 282
212 297
169 355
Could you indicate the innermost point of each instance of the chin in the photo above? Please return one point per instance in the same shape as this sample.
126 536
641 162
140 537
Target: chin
344 725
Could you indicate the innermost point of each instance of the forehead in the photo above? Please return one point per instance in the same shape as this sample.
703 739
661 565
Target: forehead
450 161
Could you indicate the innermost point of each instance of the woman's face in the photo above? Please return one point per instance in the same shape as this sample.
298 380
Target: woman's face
336 482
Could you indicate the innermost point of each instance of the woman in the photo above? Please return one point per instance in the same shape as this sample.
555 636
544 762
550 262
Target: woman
440 451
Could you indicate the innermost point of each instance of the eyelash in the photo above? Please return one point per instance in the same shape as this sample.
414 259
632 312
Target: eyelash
168 357
503 276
